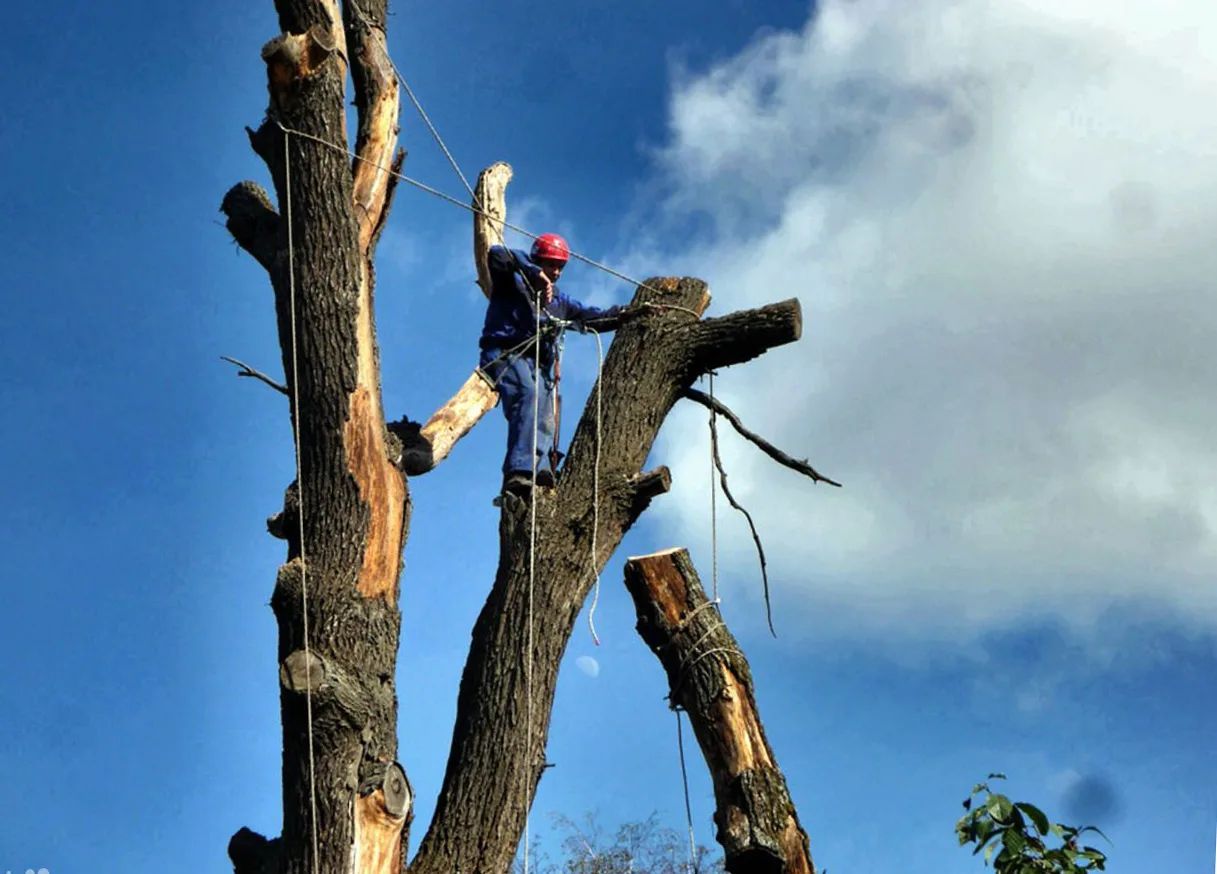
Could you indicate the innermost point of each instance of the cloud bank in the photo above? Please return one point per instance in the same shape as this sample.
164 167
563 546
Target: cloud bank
998 217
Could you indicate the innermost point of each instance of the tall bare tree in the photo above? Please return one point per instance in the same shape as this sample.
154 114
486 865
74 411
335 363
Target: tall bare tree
346 799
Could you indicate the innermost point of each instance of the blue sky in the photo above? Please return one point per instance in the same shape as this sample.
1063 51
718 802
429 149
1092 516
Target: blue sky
997 217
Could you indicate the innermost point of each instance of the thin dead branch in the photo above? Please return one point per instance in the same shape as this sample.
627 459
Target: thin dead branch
795 464
246 370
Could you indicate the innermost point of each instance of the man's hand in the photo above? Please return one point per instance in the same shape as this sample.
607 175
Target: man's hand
544 288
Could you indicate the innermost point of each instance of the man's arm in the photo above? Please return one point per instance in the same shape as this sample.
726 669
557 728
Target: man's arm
505 263
589 317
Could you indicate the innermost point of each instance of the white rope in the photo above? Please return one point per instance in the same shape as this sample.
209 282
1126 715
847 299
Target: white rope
421 186
308 661
684 777
532 576
591 616
418 106
713 501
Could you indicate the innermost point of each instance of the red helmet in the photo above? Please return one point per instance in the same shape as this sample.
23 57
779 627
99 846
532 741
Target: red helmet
551 247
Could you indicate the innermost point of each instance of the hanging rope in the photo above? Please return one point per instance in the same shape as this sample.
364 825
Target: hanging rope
532 576
591 615
684 779
756 538
308 661
713 501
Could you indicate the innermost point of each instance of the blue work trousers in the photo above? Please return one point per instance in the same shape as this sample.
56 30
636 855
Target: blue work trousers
519 390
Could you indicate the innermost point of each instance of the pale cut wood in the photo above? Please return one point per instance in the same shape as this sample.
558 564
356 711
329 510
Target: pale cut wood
435 440
709 679
490 203
380 820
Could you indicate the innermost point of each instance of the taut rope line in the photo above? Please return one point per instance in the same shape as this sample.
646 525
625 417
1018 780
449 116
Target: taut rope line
422 186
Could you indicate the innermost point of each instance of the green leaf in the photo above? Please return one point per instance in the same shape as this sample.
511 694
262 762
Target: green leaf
1037 816
999 807
1095 829
1013 841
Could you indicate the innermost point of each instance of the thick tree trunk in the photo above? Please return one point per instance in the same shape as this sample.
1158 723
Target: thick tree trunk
345 800
709 679
506 695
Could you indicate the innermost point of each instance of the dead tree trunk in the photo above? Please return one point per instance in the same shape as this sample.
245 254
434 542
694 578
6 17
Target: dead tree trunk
345 519
507 689
346 801
709 679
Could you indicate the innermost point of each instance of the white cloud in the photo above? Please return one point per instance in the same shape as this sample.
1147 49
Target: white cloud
998 217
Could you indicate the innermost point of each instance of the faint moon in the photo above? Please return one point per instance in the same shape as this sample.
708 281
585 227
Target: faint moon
588 665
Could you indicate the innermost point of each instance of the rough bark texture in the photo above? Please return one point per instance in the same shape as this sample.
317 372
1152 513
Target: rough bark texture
709 679
345 521
503 709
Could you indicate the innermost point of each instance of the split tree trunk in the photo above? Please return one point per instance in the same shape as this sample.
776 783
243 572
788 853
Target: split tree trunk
709 678
345 519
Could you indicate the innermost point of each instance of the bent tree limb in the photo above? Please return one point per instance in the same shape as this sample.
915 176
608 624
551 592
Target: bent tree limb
709 679
507 689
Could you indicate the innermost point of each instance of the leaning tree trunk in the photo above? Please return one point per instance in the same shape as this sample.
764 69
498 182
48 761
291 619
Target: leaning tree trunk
709 678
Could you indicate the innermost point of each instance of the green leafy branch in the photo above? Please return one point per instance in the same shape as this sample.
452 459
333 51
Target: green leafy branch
1013 836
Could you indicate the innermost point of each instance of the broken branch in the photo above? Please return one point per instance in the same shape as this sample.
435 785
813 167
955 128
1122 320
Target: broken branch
709 678
246 370
795 464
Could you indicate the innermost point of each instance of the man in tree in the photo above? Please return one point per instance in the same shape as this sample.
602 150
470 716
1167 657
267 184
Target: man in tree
520 282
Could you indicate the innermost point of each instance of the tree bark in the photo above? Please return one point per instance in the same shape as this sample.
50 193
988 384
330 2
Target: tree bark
506 695
349 511
709 679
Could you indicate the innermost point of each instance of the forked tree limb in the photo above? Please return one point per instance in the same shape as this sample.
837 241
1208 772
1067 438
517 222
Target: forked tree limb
426 445
710 680
795 464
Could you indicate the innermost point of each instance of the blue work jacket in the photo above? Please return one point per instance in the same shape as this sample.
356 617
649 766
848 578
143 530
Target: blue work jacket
511 318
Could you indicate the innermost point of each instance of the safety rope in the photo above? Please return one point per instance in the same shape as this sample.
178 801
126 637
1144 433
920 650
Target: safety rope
713 502
684 779
591 615
417 105
308 661
435 192
532 576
